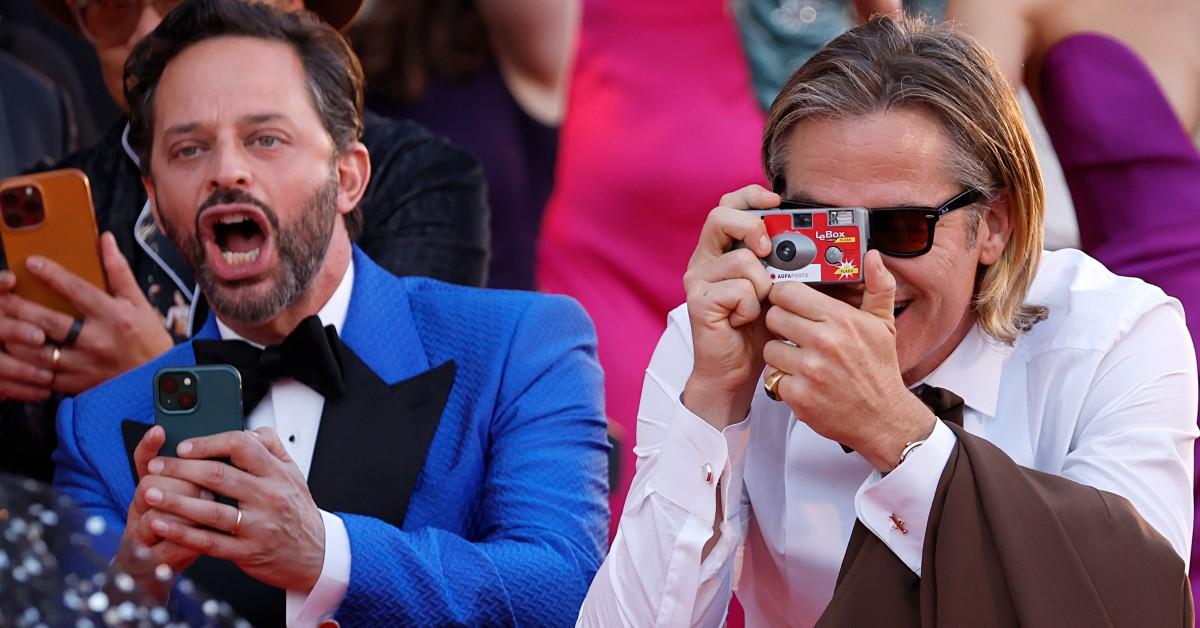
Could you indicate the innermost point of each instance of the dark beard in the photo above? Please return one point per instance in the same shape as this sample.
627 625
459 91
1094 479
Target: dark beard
300 245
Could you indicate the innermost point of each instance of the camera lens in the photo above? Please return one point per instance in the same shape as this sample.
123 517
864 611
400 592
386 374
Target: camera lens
168 384
187 400
786 251
10 198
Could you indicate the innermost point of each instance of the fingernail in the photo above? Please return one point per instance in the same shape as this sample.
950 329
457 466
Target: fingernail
34 263
155 466
45 376
184 448
36 337
154 495
765 242
159 526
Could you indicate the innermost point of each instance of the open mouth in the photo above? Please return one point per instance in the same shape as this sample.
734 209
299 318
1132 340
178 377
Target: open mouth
237 240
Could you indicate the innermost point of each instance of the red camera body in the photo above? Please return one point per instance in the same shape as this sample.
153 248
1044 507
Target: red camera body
816 245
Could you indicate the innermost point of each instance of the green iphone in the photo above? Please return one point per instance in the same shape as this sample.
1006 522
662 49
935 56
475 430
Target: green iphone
197 401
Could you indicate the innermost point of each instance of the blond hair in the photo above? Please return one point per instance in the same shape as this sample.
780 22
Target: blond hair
890 63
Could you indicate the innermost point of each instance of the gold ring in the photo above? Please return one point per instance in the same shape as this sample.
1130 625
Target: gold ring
237 525
771 384
55 356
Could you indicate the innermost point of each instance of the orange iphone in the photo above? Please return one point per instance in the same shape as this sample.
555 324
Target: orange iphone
50 214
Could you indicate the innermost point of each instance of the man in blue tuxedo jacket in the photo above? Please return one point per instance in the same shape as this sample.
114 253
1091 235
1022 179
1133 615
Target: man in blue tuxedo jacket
439 460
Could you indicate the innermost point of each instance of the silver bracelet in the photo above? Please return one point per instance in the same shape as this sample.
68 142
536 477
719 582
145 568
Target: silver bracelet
908 449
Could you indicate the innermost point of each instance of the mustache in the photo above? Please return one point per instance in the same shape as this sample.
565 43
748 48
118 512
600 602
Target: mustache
233 196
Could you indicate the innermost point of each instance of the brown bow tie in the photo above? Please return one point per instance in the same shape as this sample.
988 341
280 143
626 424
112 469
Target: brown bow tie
946 405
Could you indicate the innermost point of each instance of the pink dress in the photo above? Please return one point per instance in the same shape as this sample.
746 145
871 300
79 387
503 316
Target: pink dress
661 122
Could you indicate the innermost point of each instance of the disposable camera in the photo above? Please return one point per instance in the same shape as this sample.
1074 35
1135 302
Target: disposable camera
815 245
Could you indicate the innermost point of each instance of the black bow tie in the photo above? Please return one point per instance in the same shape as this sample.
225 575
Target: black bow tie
309 355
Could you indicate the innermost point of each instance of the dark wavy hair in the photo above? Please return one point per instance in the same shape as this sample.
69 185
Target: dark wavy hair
335 77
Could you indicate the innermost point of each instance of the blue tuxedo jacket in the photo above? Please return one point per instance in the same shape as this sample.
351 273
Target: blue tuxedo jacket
468 459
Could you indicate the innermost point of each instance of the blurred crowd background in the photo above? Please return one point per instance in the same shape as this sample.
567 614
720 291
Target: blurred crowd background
607 129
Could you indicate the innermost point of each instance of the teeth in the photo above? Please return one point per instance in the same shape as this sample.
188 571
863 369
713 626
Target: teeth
237 259
233 219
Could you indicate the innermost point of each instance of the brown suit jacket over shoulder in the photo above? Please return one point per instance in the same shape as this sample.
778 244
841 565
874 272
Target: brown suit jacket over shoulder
1010 546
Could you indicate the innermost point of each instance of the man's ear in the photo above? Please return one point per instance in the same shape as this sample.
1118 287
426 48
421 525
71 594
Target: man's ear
353 173
148 183
994 230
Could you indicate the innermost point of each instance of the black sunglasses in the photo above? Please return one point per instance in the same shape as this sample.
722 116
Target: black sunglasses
902 231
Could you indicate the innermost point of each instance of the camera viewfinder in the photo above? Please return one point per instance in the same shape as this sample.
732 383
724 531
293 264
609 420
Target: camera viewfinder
802 221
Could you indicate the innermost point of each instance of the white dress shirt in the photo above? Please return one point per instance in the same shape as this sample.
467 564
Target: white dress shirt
294 411
1103 392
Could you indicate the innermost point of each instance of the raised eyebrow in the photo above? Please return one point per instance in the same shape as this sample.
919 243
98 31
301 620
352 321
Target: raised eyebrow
181 129
263 118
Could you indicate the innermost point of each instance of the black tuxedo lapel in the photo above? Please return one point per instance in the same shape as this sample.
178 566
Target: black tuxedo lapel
370 448
372 442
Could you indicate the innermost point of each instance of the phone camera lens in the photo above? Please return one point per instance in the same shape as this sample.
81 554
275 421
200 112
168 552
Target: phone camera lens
168 384
187 400
10 198
786 251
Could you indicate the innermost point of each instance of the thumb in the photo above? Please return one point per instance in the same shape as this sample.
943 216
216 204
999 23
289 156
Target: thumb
121 282
880 296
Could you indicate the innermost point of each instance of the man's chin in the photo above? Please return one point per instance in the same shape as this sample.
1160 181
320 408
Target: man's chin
252 302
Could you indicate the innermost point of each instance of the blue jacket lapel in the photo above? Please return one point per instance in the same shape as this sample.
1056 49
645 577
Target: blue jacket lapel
379 326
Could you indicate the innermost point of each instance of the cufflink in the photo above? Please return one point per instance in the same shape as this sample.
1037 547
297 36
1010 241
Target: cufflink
708 473
898 524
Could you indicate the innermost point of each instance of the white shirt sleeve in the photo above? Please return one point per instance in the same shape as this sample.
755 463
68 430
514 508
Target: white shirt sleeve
306 609
654 575
896 507
1138 423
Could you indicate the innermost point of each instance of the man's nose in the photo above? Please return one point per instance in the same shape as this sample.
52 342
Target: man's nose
229 169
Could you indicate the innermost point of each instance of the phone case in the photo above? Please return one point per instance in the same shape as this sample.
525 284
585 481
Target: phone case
218 405
218 408
67 235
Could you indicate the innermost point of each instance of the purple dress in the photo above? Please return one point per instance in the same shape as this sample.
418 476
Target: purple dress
1133 171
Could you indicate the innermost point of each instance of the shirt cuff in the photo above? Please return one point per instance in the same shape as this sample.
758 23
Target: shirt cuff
896 507
310 608
694 457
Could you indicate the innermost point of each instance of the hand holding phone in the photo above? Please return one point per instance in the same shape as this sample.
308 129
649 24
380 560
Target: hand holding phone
50 215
